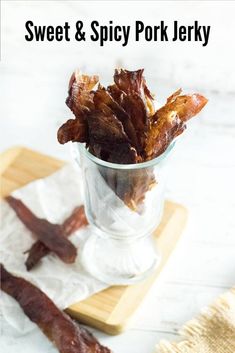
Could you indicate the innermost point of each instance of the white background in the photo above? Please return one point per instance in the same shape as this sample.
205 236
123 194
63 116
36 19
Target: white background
33 88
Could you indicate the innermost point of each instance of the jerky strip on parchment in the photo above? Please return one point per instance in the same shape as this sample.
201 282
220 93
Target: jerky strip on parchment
60 329
38 250
49 234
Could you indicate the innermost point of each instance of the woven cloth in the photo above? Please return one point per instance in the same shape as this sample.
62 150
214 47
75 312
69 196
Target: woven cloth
213 331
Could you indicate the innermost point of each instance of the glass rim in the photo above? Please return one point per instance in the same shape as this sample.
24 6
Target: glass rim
150 163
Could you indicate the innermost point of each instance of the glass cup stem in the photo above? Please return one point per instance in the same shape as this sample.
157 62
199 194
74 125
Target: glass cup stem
119 261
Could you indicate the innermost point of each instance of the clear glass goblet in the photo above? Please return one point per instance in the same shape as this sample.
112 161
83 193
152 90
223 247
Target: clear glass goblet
123 204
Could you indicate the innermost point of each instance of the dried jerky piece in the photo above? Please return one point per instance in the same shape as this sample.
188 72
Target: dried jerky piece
133 185
186 106
169 121
73 130
116 93
74 222
174 96
162 133
120 153
59 328
108 139
49 234
136 108
101 98
92 342
80 99
37 251
136 100
83 82
130 81
106 128
134 82
130 185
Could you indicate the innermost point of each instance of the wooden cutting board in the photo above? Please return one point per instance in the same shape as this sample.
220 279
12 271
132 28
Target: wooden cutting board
110 309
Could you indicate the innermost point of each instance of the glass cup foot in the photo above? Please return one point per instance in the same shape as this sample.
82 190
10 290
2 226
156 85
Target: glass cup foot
120 261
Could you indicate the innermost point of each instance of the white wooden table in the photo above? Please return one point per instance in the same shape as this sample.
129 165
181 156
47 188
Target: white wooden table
201 172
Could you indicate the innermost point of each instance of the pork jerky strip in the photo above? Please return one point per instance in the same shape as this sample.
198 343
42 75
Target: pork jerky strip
50 234
38 250
170 121
102 97
60 329
75 221
80 101
92 342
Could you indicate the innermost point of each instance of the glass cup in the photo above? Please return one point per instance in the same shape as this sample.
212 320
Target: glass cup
124 205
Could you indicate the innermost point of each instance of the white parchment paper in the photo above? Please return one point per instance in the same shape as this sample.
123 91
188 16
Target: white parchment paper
53 198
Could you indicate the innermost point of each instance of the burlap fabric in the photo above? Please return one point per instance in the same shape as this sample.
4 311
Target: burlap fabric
213 331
